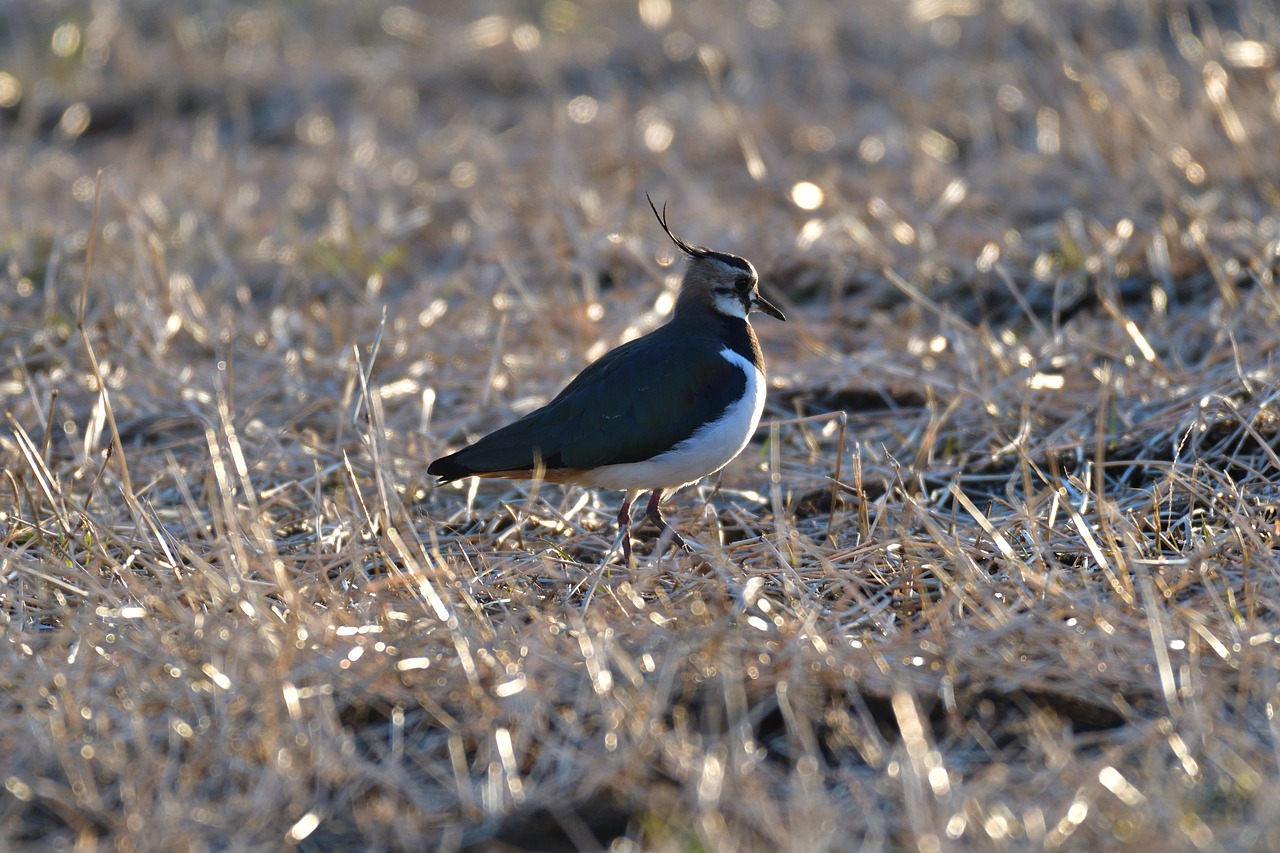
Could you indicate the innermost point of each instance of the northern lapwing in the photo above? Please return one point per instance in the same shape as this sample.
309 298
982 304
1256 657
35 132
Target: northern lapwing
657 413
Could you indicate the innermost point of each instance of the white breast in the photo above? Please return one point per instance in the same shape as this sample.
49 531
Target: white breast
705 452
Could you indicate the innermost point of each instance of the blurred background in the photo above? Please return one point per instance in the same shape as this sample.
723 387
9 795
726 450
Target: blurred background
1028 245
277 172
338 141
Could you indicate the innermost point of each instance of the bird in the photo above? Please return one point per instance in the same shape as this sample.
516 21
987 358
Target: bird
657 413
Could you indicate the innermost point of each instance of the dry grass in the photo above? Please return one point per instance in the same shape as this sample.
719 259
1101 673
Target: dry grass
1040 613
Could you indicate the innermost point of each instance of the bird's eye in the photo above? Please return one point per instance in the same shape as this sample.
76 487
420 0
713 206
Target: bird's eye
743 284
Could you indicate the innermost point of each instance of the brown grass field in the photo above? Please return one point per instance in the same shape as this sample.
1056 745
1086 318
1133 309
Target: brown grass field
1023 594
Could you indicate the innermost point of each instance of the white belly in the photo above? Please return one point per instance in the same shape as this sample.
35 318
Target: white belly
705 452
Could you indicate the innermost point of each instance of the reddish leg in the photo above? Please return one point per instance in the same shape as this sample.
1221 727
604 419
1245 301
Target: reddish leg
624 527
656 514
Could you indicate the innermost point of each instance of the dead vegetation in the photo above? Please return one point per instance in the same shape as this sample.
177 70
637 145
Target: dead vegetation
1026 598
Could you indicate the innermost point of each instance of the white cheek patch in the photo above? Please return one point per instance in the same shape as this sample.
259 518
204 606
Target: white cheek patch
731 304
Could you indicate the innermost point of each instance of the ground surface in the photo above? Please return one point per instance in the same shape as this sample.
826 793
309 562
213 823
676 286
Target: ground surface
1026 598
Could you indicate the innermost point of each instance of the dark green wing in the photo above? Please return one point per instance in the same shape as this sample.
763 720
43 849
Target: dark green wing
636 402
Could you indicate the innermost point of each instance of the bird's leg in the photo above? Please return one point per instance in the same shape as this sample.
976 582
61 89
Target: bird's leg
655 513
624 527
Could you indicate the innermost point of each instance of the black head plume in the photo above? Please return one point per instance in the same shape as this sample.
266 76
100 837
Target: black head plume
696 251
691 251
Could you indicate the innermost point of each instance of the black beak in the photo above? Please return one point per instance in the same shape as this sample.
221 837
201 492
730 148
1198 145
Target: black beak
762 304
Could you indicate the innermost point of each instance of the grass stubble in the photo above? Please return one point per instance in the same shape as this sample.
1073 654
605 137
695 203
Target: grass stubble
1021 595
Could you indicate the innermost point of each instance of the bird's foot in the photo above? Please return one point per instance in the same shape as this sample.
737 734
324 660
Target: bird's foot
666 533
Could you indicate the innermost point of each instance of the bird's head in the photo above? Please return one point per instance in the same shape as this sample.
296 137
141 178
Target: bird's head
723 283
